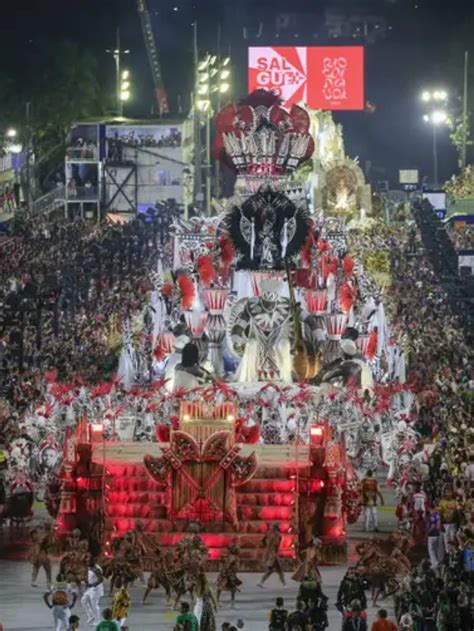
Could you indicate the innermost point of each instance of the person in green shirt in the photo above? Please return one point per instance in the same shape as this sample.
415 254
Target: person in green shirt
107 623
186 621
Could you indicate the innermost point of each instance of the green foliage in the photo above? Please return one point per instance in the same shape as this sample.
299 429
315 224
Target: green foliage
456 136
461 186
61 84
67 91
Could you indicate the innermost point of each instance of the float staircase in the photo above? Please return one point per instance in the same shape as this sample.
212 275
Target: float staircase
131 495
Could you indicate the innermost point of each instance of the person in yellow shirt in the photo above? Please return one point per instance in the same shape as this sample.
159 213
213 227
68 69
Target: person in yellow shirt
121 604
448 510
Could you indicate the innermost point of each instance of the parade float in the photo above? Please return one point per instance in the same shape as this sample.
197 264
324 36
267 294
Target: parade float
295 386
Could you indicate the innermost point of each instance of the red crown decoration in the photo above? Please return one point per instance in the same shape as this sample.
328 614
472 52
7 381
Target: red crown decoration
335 325
260 137
216 300
317 301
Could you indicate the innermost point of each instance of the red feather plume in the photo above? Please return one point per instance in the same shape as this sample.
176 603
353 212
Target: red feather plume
372 345
226 251
346 297
186 288
206 270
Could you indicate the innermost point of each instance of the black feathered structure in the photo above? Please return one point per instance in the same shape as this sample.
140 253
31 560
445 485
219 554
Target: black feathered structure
267 210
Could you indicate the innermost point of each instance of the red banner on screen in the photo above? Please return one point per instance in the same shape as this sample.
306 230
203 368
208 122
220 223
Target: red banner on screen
323 77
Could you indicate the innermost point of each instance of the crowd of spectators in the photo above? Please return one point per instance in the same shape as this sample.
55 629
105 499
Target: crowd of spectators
171 140
65 289
437 493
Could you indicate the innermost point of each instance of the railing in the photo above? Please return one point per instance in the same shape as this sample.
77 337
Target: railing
50 201
82 153
83 193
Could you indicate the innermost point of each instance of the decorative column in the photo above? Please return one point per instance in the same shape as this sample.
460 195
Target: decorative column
362 343
216 300
335 327
316 301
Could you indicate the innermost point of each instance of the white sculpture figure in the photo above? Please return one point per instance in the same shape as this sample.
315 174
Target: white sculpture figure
260 333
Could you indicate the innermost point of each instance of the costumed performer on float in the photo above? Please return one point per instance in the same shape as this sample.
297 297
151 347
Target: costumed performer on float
189 373
351 368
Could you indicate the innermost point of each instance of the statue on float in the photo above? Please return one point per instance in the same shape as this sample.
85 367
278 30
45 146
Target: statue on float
260 334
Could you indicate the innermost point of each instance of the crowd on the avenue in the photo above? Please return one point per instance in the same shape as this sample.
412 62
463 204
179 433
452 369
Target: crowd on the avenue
65 289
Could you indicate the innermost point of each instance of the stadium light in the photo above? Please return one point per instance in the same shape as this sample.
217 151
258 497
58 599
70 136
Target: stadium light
436 116
125 86
427 96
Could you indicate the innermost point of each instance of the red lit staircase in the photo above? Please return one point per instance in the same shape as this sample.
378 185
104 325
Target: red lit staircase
131 495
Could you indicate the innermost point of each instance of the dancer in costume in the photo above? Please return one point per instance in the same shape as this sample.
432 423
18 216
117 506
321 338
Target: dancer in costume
161 575
73 564
148 550
131 553
271 559
125 563
228 581
309 567
43 541
190 562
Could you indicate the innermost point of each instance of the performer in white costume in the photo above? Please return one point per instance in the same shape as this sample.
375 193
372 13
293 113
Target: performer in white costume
94 592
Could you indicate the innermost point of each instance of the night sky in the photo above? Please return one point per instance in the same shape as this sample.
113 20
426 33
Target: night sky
423 48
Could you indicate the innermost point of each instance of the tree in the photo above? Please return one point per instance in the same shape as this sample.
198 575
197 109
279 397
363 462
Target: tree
69 90
461 186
